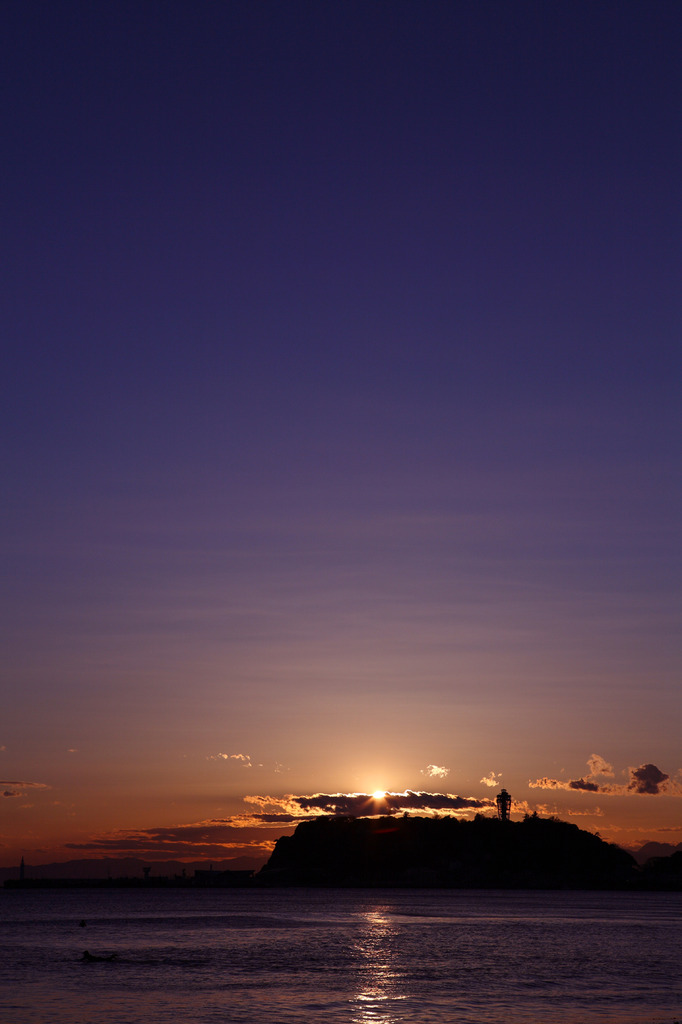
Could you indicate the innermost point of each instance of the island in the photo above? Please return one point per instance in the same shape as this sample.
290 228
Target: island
535 853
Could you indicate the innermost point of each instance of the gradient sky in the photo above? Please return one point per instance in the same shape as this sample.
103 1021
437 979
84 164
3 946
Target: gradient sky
341 417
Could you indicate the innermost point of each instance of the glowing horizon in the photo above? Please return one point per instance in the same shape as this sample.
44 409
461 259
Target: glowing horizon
254 830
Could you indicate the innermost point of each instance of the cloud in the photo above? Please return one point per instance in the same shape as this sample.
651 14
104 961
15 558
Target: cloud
435 771
269 819
585 785
647 830
22 785
522 807
217 838
366 804
549 810
273 805
598 766
647 780
492 780
244 759
545 783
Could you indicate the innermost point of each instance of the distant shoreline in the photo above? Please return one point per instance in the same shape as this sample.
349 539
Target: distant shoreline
160 884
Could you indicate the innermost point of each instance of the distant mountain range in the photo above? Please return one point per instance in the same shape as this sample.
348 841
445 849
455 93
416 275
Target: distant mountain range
128 867
649 850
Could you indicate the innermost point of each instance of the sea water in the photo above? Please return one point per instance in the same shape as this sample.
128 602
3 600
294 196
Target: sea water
290 956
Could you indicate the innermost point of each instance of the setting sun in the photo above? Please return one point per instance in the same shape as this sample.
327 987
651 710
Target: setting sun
379 794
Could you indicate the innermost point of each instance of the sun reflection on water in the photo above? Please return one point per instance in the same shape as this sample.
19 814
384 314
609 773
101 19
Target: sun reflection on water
377 971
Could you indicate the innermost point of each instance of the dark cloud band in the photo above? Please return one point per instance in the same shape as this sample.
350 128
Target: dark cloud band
363 804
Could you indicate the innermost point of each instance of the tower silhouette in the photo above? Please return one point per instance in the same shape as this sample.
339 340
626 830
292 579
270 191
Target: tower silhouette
503 805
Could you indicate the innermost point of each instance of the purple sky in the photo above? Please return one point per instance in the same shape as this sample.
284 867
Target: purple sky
341 403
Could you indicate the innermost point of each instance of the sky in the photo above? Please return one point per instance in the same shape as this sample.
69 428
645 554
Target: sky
340 418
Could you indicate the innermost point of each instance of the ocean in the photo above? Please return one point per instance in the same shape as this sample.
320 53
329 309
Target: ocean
298 956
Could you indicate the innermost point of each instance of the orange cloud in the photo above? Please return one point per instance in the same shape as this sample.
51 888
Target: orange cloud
435 771
244 759
492 780
598 766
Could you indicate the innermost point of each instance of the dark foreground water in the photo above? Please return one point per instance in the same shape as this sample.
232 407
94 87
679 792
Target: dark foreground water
213 957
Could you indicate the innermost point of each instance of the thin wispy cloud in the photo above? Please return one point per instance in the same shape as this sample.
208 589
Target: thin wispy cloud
243 759
18 788
551 810
224 838
598 766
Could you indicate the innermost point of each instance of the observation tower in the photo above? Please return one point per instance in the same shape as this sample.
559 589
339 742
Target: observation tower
503 805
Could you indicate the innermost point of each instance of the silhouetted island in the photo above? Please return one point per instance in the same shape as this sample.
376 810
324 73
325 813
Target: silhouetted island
536 853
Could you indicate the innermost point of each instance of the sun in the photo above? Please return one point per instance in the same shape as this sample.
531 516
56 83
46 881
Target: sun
378 794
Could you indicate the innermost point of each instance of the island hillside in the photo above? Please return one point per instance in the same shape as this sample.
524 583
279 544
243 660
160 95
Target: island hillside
542 853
